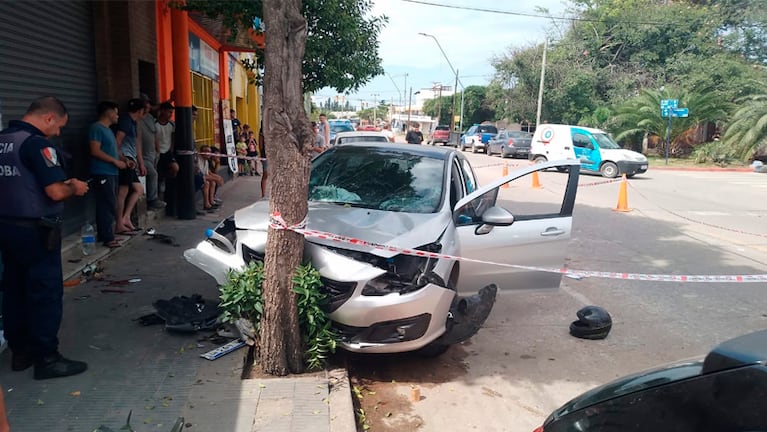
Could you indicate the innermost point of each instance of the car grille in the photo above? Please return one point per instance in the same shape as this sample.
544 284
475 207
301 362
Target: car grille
337 292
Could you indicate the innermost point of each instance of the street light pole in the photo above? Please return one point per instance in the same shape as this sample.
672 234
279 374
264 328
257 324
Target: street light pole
455 72
540 87
409 107
375 107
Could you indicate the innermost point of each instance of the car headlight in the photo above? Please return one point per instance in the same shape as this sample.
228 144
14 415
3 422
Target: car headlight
224 235
406 273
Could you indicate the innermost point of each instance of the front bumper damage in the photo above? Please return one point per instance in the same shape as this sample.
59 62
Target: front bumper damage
372 309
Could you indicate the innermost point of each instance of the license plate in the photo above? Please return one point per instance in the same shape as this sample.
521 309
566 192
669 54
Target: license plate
644 167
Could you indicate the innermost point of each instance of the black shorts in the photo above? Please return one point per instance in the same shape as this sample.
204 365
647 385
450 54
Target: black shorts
127 177
199 181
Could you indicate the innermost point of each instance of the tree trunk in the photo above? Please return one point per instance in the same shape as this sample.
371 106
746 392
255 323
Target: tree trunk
288 138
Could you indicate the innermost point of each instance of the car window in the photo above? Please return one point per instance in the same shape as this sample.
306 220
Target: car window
470 181
488 129
472 212
341 127
472 130
377 179
456 184
581 140
519 134
605 141
442 128
353 139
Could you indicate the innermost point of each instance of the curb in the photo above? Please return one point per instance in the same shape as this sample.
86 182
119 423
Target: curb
340 405
709 169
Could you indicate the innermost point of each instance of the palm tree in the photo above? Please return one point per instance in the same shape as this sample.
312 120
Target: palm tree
642 115
747 132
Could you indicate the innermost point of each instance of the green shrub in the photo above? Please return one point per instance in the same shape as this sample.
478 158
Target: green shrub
714 152
241 298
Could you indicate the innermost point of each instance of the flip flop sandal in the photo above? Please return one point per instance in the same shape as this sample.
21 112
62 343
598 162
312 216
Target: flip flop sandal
126 233
114 244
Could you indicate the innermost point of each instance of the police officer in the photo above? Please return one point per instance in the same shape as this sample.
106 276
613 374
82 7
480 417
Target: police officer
32 187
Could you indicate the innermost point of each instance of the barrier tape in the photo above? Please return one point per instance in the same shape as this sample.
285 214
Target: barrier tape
223 155
277 222
723 228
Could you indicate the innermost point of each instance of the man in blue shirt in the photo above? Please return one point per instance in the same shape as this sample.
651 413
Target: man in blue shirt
33 186
105 165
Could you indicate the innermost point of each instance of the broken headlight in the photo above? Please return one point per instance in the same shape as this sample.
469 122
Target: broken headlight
406 273
224 236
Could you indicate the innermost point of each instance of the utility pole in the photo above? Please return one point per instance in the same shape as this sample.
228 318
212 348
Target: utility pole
375 107
540 88
452 109
409 106
438 87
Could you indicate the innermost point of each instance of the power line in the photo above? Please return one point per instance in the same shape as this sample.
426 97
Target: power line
528 15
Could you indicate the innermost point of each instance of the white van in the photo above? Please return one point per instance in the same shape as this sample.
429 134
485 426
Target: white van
593 147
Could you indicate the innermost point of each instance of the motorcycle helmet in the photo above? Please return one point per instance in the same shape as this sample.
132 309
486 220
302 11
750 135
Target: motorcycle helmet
593 323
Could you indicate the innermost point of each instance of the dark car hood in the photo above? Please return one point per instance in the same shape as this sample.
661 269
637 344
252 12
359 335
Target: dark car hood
397 229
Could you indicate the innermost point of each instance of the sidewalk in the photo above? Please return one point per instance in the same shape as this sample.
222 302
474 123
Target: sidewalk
158 375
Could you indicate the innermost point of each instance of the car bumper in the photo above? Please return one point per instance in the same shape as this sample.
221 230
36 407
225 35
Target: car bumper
631 168
365 323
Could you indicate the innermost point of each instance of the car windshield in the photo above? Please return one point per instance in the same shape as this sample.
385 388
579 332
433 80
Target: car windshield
353 139
517 134
341 127
442 128
488 129
377 179
605 141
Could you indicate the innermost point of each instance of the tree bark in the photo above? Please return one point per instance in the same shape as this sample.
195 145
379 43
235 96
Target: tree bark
288 139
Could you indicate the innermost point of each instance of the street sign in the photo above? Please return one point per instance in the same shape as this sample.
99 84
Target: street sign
667 105
680 112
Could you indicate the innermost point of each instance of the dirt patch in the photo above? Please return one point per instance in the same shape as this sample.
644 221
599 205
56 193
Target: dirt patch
382 386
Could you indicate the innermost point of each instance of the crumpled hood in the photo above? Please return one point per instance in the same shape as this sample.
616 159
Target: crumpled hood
403 230
623 154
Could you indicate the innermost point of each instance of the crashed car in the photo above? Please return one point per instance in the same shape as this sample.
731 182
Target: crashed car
725 391
412 200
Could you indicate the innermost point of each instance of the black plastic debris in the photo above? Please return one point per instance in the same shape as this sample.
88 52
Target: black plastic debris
163 238
188 314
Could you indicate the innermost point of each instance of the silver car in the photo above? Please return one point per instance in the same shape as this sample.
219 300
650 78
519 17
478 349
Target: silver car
409 200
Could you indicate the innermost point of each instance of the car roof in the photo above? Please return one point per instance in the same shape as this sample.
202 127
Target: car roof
360 133
427 151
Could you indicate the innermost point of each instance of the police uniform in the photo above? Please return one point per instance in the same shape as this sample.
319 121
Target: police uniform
30 241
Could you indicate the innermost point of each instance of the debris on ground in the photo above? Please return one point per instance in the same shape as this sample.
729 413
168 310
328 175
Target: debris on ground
188 314
164 238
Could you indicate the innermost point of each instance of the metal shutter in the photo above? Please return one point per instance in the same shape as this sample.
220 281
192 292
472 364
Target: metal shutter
47 48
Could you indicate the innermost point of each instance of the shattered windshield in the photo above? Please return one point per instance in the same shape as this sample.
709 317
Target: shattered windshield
377 179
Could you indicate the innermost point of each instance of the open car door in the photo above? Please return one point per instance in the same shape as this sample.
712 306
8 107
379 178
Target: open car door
517 228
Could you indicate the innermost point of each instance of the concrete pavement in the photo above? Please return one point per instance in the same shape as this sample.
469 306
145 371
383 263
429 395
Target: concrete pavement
157 375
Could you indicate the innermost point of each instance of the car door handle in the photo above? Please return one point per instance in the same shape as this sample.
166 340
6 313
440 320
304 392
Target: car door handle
551 232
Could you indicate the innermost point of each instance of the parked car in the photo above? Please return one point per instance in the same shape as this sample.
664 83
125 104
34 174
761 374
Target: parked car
368 128
411 201
477 137
726 391
510 143
360 136
441 135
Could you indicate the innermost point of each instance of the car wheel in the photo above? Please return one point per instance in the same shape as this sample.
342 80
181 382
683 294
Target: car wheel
488 151
609 170
474 147
540 159
582 330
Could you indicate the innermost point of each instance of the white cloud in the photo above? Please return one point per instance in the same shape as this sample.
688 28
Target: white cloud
469 38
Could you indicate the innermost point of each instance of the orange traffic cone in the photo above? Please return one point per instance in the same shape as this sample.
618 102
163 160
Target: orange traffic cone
536 181
504 174
623 199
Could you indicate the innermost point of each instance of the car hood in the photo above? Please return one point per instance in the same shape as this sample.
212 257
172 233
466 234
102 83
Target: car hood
396 229
623 154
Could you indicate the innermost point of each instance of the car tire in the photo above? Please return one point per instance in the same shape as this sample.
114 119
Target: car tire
434 349
609 170
474 147
540 159
582 330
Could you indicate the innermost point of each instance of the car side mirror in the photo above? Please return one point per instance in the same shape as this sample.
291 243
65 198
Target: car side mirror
497 216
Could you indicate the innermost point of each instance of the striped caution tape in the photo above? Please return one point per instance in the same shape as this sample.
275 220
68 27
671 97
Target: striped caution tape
277 222
597 183
193 152
689 219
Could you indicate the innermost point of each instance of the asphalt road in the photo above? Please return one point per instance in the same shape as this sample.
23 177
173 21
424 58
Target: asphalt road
523 364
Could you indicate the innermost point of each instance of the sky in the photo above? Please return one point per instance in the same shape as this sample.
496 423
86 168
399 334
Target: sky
469 38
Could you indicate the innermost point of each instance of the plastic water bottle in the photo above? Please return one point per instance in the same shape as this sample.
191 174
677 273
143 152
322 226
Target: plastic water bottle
88 238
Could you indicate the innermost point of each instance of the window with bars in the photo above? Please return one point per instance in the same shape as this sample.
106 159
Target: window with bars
202 98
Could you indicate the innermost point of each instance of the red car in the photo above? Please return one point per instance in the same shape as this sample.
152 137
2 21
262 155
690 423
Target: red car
368 128
441 135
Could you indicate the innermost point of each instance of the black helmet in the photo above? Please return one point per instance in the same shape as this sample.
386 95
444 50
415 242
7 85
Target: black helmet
593 323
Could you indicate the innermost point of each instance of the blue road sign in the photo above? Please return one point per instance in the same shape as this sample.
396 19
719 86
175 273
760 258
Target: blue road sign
667 105
680 112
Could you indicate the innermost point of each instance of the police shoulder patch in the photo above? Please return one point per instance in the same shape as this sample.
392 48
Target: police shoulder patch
50 156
